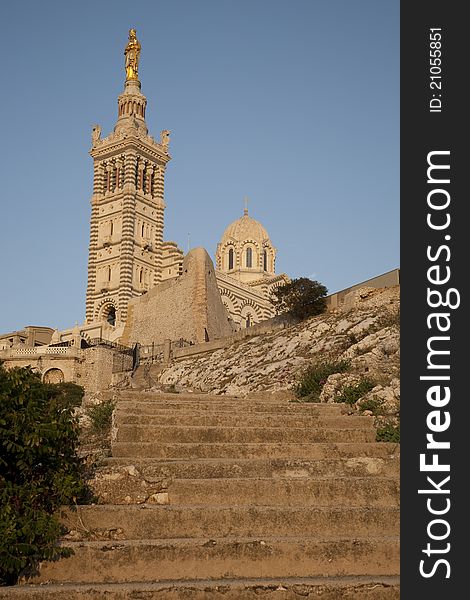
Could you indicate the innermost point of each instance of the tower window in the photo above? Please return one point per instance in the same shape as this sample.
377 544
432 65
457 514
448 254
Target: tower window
265 260
230 259
111 317
110 272
249 258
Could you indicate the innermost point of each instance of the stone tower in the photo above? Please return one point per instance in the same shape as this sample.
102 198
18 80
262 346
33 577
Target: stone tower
127 205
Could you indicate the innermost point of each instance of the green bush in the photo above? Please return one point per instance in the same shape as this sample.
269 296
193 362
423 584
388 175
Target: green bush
101 415
301 298
66 394
388 319
373 404
314 377
352 393
388 433
39 471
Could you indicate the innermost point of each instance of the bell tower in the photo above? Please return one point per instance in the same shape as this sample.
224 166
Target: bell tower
127 205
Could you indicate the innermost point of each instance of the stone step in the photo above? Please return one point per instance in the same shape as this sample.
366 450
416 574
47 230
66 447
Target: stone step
331 491
110 522
154 561
153 469
240 407
251 450
227 419
328 588
247 435
155 396
323 491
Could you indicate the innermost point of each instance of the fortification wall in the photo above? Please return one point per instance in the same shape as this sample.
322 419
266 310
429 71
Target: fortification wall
386 280
96 368
188 307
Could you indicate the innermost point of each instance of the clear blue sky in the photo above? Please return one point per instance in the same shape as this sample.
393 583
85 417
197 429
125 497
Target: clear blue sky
294 104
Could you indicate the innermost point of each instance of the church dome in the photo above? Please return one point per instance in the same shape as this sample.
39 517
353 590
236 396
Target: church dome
245 228
245 251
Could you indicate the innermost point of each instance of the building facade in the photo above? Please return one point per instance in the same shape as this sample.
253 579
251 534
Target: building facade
126 251
183 296
127 254
246 271
128 258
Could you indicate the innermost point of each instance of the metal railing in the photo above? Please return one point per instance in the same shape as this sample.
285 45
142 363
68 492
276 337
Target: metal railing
102 342
155 353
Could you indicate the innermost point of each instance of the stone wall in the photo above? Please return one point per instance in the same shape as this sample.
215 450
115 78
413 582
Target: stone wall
91 368
96 368
269 326
189 307
68 365
386 280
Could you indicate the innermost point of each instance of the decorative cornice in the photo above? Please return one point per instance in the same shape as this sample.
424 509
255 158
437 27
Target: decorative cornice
226 282
269 280
130 139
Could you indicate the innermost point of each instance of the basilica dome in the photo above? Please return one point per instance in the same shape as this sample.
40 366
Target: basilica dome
245 228
245 251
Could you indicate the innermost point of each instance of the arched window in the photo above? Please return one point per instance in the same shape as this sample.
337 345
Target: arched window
111 228
141 275
249 257
111 316
248 320
143 229
265 260
110 273
230 259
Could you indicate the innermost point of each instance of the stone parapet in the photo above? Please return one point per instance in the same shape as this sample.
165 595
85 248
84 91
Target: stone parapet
68 351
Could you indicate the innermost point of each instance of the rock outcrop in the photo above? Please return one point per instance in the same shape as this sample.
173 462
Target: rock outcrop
365 332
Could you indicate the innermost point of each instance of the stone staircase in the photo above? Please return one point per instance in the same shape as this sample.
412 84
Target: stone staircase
256 497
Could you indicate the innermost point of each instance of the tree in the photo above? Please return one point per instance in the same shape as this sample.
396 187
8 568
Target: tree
39 469
301 298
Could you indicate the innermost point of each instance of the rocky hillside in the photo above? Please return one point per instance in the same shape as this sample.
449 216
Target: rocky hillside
364 332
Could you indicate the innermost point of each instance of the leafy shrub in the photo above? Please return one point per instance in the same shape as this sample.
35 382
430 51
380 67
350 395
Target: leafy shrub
314 377
66 394
39 471
353 339
351 393
101 415
388 319
301 298
373 404
388 433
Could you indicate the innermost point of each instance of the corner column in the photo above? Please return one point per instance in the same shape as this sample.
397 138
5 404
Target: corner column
92 248
127 240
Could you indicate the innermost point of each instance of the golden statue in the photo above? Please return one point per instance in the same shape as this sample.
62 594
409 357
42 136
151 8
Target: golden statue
132 54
